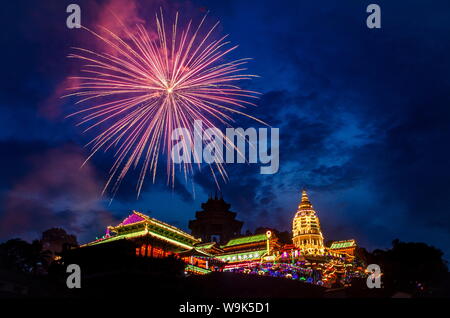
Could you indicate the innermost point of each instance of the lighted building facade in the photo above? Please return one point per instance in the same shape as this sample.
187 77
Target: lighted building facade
347 247
246 250
307 235
156 239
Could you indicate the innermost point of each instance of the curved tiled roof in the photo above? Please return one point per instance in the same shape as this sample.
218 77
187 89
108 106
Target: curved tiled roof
246 239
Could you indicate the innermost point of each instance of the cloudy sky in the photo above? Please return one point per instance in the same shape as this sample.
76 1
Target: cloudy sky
364 119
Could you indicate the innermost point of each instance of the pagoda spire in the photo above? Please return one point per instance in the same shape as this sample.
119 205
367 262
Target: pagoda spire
305 203
307 235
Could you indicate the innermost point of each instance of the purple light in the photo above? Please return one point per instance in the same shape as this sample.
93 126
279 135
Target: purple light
133 218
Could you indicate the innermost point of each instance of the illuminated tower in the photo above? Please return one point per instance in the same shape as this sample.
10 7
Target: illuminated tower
307 235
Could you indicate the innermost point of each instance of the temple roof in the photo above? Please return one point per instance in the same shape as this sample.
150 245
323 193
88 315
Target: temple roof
195 252
215 204
205 245
138 224
136 217
246 239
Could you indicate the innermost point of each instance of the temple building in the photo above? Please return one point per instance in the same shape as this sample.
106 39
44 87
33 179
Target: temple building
307 235
156 239
249 249
215 222
215 244
347 247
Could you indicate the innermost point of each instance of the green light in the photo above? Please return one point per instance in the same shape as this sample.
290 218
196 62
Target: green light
246 239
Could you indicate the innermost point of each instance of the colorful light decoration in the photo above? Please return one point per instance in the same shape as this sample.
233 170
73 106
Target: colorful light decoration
258 254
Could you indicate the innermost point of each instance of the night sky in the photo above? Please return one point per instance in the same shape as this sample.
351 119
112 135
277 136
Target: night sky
364 118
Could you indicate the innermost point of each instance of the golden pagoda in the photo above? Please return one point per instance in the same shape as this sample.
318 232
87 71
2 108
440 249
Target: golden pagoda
307 235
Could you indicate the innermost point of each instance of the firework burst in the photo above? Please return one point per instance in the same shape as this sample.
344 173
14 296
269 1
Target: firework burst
147 84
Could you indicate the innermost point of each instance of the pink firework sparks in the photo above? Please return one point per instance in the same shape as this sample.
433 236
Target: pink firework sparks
146 85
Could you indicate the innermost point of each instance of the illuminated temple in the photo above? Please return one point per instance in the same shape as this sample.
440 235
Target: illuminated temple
307 259
307 235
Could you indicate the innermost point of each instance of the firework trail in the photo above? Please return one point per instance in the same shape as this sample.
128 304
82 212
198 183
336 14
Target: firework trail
148 84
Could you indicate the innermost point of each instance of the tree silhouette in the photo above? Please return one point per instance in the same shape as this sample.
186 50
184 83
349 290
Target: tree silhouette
19 255
416 268
284 237
56 240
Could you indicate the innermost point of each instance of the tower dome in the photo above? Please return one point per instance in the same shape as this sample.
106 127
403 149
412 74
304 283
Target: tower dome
307 235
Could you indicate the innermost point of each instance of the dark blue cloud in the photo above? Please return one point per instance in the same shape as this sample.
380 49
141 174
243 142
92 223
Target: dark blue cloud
363 115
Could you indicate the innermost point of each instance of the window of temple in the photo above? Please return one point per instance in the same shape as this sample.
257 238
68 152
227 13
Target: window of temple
158 252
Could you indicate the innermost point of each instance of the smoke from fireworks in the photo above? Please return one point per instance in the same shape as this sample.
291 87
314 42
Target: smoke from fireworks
147 84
